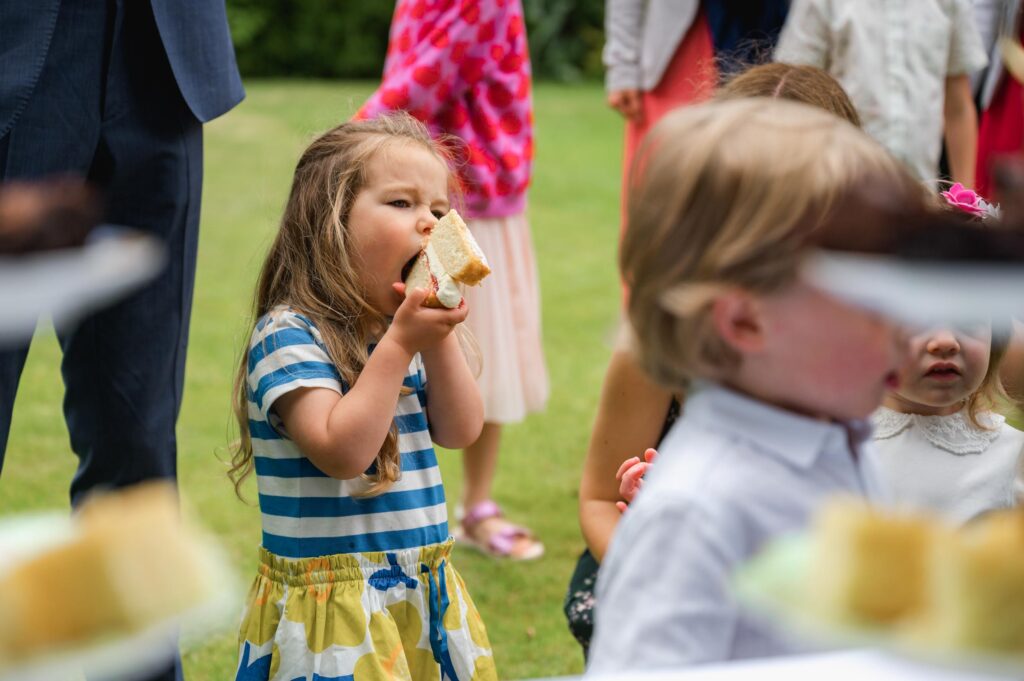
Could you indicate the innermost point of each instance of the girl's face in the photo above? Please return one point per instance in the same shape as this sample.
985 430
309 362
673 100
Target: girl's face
406 192
944 368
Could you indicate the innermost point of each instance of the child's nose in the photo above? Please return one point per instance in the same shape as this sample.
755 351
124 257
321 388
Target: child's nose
943 343
426 222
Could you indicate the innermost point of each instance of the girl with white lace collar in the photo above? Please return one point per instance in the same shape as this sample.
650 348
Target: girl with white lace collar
940 445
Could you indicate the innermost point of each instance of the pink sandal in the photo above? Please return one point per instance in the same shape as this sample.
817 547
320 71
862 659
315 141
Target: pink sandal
498 544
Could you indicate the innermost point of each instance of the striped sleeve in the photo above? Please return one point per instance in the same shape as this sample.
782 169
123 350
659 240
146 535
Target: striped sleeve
287 353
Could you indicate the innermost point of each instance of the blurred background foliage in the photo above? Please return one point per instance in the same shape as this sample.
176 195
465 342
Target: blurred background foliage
348 38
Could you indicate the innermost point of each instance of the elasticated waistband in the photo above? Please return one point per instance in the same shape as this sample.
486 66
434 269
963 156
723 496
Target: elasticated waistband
342 567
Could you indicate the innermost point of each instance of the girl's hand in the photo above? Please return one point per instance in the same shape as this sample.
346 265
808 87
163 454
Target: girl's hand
416 327
630 476
629 103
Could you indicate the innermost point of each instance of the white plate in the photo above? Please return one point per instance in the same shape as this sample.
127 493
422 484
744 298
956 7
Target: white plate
919 292
125 656
66 284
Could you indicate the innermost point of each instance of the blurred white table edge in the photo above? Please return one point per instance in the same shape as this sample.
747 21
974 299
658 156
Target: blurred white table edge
847 665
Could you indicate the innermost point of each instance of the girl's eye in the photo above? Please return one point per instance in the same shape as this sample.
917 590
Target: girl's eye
400 203
438 214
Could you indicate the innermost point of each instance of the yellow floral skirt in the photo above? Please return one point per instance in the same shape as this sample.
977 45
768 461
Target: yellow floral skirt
366 616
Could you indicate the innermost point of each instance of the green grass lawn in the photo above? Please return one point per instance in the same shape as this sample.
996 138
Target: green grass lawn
250 154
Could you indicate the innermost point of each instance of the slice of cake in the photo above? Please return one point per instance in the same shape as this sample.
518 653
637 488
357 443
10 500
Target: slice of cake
451 257
978 585
429 274
131 563
867 566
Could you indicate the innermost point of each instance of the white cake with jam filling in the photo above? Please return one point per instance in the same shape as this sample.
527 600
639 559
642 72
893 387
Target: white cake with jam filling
451 256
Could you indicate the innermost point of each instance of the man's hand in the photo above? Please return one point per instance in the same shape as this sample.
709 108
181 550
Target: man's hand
45 214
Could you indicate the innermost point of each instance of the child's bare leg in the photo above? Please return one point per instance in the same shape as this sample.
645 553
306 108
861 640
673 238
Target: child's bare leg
479 465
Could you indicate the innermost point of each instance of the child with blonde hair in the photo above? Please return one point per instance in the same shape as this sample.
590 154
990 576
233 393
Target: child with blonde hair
634 412
940 444
726 200
332 398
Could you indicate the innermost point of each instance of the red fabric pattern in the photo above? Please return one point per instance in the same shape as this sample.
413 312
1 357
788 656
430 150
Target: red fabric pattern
1001 130
689 78
462 66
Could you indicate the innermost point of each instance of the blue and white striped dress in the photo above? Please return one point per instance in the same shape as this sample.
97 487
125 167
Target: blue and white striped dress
307 513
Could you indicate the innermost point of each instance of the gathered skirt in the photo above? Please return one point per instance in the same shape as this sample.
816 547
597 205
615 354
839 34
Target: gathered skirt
366 617
504 317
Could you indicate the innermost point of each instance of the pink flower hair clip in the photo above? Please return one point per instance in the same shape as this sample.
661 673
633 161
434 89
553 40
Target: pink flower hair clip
969 201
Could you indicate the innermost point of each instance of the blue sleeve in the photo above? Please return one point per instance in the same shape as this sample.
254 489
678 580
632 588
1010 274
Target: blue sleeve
286 353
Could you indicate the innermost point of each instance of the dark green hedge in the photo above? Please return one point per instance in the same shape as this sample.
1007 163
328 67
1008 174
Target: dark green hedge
348 38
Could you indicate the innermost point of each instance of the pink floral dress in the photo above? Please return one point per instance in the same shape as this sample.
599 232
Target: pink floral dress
462 67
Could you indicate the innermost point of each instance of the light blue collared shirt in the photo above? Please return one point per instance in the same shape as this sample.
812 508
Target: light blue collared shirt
731 475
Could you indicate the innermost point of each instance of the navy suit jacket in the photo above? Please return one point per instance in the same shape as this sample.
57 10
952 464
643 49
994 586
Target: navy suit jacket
194 33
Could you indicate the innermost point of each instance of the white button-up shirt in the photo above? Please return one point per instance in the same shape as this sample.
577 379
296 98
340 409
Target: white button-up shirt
731 475
892 57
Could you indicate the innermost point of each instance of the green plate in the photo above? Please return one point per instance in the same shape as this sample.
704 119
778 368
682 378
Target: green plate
774 583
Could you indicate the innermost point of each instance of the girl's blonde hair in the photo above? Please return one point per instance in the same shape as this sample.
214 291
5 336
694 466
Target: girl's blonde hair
728 194
798 83
991 394
309 266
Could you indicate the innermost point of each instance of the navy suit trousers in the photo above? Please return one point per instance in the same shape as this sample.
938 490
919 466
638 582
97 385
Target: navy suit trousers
106 106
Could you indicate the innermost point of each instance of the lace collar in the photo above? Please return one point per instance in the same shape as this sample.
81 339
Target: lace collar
954 433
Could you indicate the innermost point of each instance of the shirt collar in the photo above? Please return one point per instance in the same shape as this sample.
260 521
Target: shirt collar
792 437
954 433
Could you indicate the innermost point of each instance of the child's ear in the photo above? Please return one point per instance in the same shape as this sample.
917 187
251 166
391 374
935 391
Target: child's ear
736 316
